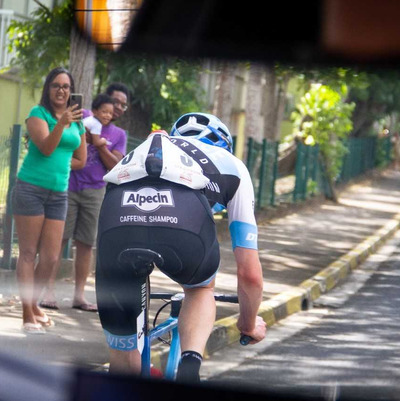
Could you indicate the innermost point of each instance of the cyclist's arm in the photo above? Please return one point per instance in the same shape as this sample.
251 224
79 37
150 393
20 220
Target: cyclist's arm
250 290
244 233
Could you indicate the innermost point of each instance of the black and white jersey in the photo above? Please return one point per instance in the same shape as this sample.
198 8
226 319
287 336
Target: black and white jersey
223 177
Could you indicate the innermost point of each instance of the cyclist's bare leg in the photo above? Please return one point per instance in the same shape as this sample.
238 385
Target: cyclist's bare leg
197 317
125 361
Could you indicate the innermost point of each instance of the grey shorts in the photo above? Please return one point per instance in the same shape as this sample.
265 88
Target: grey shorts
31 200
83 215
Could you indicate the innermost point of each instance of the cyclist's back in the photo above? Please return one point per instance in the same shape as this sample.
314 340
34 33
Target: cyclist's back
161 197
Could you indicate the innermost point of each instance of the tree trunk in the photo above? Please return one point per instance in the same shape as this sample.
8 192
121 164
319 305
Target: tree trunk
275 101
82 59
137 121
253 102
270 103
224 92
280 107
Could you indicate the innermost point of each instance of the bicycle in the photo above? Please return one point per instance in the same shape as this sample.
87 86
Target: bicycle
143 262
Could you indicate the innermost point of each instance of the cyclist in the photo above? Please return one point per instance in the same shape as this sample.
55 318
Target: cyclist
161 196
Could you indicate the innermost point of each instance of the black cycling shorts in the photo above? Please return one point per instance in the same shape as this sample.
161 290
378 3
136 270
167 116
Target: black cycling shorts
170 219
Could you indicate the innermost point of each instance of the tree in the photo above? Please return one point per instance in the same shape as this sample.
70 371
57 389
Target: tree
379 98
82 60
254 101
323 118
163 88
277 80
41 43
224 91
49 40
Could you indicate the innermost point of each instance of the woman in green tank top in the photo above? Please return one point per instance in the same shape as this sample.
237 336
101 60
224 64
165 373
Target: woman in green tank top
56 144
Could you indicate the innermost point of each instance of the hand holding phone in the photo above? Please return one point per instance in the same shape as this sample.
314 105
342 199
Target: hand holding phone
76 98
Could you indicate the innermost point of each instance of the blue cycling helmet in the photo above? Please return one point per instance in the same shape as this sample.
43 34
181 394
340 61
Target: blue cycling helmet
204 127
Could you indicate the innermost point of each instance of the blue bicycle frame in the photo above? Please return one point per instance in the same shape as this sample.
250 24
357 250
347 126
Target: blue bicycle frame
168 326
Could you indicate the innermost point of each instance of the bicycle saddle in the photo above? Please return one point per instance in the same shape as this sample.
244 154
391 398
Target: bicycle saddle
140 260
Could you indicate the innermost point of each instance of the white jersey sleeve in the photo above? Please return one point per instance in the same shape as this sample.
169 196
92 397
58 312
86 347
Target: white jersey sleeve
242 221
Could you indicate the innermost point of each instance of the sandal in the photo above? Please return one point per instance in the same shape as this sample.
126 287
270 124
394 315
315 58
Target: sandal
33 328
44 320
86 307
49 305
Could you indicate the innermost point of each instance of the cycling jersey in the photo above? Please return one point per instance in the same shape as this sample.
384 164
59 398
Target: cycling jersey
224 178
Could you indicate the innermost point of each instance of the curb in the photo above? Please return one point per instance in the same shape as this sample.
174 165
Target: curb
300 298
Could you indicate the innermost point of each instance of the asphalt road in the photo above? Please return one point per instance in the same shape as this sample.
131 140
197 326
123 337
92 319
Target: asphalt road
347 347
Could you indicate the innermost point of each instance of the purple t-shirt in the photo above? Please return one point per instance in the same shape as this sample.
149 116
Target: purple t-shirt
91 176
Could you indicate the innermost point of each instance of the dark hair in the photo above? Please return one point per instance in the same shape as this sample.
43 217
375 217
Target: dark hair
119 87
101 99
45 99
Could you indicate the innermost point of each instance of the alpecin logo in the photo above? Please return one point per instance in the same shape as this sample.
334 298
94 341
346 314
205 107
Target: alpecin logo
148 199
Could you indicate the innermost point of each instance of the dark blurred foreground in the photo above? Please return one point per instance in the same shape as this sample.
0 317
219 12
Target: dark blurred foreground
25 380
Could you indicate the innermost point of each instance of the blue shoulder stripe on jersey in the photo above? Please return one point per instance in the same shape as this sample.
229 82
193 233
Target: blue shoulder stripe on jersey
243 235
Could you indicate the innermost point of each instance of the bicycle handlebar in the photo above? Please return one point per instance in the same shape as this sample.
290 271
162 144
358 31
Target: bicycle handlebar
244 339
226 298
218 297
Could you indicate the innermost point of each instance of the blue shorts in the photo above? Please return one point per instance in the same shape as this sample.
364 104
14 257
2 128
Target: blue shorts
31 200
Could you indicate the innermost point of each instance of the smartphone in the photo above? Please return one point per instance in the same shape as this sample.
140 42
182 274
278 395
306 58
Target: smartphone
76 98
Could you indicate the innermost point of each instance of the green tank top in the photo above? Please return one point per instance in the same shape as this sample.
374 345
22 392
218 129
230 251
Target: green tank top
51 172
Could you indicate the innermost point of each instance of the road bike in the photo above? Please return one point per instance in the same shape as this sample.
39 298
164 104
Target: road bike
142 261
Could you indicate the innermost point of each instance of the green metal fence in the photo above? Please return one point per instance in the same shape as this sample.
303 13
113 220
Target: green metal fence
262 163
10 153
365 154
307 171
267 174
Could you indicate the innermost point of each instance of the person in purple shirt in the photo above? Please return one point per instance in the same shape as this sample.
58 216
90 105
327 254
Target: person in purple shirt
85 195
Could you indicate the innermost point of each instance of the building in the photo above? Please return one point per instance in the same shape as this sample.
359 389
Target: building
15 99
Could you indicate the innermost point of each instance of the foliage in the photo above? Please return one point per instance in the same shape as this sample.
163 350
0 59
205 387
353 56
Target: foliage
337 78
165 87
323 117
383 88
41 43
376 93
376 101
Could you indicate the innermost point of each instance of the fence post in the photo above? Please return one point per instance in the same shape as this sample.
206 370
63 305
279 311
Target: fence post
298 171
263 174
249 161
275 173
8 221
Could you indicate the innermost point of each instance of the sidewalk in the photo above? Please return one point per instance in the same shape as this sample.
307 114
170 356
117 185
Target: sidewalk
303 254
